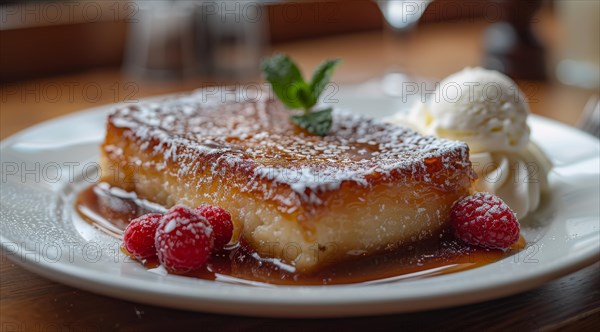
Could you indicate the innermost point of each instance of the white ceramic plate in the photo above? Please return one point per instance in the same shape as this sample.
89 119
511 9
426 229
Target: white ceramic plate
45 166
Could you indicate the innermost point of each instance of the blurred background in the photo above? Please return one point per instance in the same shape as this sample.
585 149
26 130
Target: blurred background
58 57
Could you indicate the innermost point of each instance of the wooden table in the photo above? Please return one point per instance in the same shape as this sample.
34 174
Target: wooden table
29 302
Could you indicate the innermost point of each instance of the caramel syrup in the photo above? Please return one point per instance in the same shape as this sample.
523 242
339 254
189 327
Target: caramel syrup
110 209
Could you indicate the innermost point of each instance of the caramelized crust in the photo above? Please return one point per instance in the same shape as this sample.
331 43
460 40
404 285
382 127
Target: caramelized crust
303 199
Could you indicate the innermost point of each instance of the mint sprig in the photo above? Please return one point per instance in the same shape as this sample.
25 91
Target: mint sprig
295 93
317 123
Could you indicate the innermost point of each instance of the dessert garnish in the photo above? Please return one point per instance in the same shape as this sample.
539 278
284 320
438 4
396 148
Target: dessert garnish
488 111
295 93
483 219
183 238
138 238
220 220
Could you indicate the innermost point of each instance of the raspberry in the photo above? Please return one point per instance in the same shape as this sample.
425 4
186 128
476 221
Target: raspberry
220 220
183 240
485 220
138 238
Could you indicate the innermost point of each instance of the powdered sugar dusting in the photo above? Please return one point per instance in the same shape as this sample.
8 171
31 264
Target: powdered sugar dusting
170 226
257 140
160 270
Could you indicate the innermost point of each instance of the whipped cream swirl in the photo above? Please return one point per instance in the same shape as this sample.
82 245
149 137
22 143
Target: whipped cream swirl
519 178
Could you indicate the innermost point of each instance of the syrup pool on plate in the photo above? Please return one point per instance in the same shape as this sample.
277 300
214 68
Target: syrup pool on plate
110 209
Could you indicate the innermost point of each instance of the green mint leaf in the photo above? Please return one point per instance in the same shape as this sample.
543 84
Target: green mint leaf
287 82
321 77
317 123
291 89
305 96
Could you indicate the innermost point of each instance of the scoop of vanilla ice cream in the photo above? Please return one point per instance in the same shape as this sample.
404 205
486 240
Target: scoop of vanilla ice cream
487 110
481 107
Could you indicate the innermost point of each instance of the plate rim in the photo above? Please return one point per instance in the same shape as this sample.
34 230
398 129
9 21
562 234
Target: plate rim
283 308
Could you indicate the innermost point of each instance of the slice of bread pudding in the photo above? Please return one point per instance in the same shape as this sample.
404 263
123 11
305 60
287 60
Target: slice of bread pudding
306 200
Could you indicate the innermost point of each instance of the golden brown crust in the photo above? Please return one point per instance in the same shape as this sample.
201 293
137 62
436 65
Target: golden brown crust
257 149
